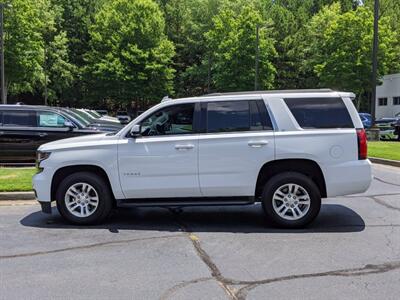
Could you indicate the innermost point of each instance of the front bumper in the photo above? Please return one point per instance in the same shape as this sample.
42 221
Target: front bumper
45 206
42 187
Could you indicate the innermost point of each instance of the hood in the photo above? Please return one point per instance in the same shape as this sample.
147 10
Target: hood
80 141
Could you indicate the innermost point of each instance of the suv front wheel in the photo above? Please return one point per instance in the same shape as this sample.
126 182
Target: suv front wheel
291 200
84 198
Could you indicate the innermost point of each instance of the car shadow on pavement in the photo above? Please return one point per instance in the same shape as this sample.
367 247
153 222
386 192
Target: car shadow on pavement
232 219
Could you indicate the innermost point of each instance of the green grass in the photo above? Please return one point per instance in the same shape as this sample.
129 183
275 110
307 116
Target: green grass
16 179
388 150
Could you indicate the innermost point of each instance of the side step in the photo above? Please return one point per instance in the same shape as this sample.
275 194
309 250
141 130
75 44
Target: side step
200 201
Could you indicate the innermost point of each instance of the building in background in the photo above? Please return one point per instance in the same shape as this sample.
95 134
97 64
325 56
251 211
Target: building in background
388 97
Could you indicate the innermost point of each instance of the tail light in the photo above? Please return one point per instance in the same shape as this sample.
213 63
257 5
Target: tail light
362 144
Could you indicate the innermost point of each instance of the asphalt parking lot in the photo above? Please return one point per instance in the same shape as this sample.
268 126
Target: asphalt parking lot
352 251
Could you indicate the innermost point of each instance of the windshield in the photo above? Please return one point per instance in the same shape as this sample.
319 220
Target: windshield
92 114
83 115
77 116
81 123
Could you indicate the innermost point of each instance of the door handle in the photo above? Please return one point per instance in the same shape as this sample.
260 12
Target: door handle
42 134
257 144
184 147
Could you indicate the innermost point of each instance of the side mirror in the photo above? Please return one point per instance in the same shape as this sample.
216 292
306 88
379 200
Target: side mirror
69 124
136 130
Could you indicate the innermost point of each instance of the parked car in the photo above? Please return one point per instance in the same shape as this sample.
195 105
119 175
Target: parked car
386 128
84 114
102 112
88 122
96 122
397 128
23 128
366 119
123 117
93 114
285 149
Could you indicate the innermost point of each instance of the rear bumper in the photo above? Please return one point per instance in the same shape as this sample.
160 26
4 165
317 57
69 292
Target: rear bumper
347 178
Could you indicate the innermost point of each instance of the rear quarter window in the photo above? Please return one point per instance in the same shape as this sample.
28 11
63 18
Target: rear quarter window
19 118
313 113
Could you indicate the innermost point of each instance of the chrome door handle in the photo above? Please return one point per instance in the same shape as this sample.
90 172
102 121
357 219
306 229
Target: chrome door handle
43 134
257 144
184 147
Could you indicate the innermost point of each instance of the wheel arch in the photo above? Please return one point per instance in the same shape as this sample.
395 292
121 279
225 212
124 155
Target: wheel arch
307 167
63 172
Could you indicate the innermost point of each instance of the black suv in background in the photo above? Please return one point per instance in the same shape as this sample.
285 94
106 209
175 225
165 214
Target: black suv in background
23 128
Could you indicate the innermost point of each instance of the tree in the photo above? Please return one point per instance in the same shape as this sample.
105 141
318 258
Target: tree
24 52
338 50
58 71
130 57
75 18
232 46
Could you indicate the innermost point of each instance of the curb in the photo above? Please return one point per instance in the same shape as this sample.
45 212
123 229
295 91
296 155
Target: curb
382 161
17 196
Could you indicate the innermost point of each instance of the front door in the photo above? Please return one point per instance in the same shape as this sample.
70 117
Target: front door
162 162
51 127
238 141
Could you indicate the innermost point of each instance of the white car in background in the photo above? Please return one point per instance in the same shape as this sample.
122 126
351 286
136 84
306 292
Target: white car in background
123 117
96 115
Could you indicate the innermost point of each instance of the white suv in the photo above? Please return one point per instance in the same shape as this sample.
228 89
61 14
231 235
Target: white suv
285 149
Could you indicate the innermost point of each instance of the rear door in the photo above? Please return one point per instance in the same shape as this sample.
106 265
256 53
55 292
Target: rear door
18 137
238 140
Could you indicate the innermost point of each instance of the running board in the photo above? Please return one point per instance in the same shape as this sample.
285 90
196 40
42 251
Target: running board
200 201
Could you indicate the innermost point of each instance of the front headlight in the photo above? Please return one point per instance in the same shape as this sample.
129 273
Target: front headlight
40 156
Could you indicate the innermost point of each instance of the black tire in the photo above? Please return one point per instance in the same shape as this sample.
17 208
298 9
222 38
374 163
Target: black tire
285 178
104 195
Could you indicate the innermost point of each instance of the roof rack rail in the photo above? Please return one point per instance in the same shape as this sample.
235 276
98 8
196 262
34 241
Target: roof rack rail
272 92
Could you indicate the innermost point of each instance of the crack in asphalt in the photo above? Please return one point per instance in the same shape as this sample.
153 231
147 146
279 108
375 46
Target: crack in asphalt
204 256
248 285
89 246
367 196
384 181
366 270
383 203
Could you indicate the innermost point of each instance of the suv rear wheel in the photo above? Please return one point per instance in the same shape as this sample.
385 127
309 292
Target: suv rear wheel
84 198
291 200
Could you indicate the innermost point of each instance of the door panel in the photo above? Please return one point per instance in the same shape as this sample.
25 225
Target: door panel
18 138
158 167
163 161
18 144
238 141
229 163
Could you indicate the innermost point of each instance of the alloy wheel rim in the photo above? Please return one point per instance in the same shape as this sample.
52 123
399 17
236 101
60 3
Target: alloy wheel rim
291 201
81 199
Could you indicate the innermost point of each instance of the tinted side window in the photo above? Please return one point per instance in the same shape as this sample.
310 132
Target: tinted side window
176 119
19 118
228 116
320 112
49 119
231 116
